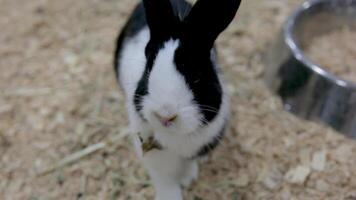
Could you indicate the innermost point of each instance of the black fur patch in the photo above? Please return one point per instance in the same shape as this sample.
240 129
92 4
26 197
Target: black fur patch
201 76
142 87
135 24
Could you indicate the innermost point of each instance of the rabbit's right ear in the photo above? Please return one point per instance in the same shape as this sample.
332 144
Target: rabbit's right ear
207 20
160 18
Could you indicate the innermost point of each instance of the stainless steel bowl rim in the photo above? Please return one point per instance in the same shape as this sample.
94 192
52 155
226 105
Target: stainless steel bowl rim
288 29
307 89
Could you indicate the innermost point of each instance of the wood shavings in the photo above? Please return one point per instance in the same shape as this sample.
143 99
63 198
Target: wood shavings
319 161
70 59
286 195
322 186
305 155
298 175
273 180
335 53
5 109
242 181
343 153
81 154
56 71
73 158
351 195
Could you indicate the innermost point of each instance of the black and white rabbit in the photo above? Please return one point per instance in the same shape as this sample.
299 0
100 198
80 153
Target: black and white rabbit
166 65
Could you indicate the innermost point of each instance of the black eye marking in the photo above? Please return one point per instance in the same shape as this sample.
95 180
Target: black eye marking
151 52
200 74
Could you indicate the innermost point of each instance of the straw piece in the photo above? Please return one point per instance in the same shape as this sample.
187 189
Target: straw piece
74 158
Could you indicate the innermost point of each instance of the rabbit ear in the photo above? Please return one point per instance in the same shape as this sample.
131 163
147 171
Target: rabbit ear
207 19
160 18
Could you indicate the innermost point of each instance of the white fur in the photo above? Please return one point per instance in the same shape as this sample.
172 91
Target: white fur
168 95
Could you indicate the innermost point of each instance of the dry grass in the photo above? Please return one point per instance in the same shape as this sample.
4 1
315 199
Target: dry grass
58 96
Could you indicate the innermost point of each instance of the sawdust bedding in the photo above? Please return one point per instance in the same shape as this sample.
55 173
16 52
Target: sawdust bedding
58 96
336 53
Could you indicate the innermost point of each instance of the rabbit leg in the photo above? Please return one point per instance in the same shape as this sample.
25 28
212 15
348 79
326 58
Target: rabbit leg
165 170
190 174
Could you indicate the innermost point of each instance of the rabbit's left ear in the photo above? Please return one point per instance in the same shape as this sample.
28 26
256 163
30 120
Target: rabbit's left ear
207 19
160 18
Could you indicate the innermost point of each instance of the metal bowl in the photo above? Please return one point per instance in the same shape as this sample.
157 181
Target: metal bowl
306 89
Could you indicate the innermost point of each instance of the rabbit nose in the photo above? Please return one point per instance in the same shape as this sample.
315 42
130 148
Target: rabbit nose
166 121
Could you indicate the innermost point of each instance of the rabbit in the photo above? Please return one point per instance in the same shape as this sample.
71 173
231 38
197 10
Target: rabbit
166 65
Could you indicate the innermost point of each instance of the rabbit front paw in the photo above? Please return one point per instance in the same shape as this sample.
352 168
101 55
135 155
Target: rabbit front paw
191 174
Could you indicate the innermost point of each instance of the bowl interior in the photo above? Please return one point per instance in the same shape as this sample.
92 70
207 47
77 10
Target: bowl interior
321 17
